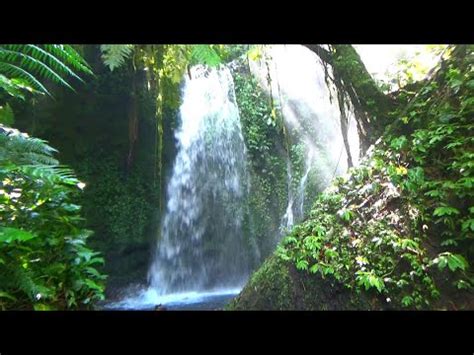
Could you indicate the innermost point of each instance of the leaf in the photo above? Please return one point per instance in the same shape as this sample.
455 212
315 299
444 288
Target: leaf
70 207
446 211
8 296
457 261
328 270
114 55
408 243
42 307
400 142
463 285
93 285
453 261
407 301
8 235
302 264
369 280
449 242
205 54
6 115
314 269
433 193
345 214
96 260
330 253
468 225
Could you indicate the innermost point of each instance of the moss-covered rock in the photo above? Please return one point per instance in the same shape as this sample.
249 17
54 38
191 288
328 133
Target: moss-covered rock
278 285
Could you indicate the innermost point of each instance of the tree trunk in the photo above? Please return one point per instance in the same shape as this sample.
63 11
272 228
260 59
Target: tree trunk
354 83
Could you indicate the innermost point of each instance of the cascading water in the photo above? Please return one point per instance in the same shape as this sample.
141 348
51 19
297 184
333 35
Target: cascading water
288 218
201 246
302 185
201 253
312 120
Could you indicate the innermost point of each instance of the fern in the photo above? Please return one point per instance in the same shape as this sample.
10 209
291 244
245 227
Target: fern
69 55
114 55
34 63
14 87
20 148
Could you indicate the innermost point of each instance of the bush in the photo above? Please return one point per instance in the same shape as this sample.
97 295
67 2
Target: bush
44 260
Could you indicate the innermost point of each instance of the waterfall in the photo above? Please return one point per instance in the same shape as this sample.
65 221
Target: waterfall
201 245
312 119
288 218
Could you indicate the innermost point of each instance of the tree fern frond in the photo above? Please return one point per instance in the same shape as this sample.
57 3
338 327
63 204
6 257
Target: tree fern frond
22 149
15 70
34 157
114 55
37 158
54 62
69 56
33 64
11 88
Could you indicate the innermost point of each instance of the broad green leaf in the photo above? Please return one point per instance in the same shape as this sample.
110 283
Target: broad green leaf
8 235
457 261
446 211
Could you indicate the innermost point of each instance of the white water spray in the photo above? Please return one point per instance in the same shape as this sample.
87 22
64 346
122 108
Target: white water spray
311 119
201 244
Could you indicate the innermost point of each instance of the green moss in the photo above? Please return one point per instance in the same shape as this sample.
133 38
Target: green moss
270 288
266 164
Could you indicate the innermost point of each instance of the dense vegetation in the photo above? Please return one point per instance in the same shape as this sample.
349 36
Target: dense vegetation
394 232
44 260
398 228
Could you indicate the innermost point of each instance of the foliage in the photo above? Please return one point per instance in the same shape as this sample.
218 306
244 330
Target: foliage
205 54
404 215
410 69
115 55
44 260
6 115
267 164
26 66
127 198
124 229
